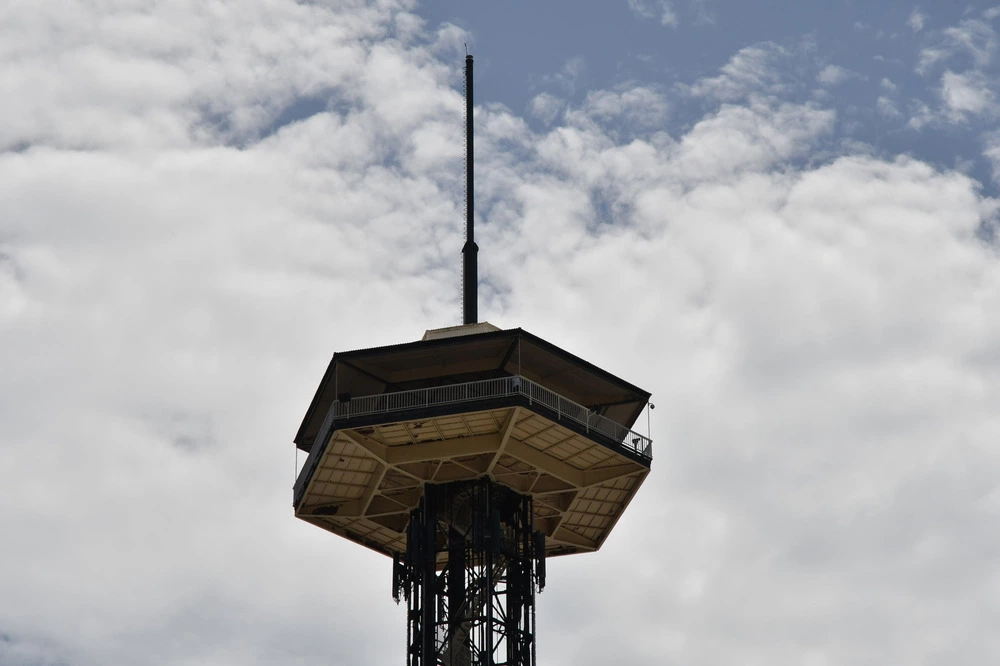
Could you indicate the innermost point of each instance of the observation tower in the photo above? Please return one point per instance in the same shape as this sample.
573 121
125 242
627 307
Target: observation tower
469 457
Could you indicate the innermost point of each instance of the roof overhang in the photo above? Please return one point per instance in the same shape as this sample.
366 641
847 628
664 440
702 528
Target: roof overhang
441 360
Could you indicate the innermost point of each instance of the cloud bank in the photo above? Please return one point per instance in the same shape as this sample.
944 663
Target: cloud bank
198 204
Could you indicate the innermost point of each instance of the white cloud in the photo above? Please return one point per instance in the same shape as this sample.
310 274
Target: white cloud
546 107
740 139
929 57
968 87
702 11
991 152
633 108
833 75
916 20
921 115
972 37
976 37
128 77
660 10
965 95
772 275
568 79
886 107
752 70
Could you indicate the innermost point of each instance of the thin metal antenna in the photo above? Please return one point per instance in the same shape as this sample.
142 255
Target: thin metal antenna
470 277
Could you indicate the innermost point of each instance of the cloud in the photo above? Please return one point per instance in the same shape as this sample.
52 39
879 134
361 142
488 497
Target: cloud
27 653
833 75
968 87
819 331
569 78
134 273
783 279
886 107
916 20
546 107
921 115
127 77
929 57
965 95
635 108
975 37
740 139
753 69
991 152
661 10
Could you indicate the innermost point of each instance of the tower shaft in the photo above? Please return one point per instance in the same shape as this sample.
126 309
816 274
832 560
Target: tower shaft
469 575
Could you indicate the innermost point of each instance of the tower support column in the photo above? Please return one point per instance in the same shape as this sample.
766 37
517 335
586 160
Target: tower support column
473 565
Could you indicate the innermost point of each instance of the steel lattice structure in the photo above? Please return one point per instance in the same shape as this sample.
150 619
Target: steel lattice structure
479 607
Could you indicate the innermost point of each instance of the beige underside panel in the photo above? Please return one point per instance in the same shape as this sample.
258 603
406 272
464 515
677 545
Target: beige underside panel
371 478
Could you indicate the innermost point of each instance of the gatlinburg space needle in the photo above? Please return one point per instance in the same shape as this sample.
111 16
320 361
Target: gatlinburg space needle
469 457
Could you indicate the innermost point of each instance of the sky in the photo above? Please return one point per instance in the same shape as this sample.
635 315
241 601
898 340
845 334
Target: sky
778 217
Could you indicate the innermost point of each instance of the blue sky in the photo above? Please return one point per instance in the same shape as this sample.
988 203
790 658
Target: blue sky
779 219
865 52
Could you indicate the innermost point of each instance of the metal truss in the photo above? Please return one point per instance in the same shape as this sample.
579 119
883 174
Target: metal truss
469 576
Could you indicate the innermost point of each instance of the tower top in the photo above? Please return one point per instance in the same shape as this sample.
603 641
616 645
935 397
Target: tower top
455 331
461 405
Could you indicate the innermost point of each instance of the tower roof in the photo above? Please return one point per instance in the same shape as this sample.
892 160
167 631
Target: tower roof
462 358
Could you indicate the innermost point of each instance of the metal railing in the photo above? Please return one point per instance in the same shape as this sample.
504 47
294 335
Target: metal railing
485 389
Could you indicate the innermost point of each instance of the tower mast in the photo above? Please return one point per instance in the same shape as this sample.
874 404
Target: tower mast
470 252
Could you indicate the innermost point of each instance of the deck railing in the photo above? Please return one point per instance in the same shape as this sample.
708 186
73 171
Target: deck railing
500 387
486 389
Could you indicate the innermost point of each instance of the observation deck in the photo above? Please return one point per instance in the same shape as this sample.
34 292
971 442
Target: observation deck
461 405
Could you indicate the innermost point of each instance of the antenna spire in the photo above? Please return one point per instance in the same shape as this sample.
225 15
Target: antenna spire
470 277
